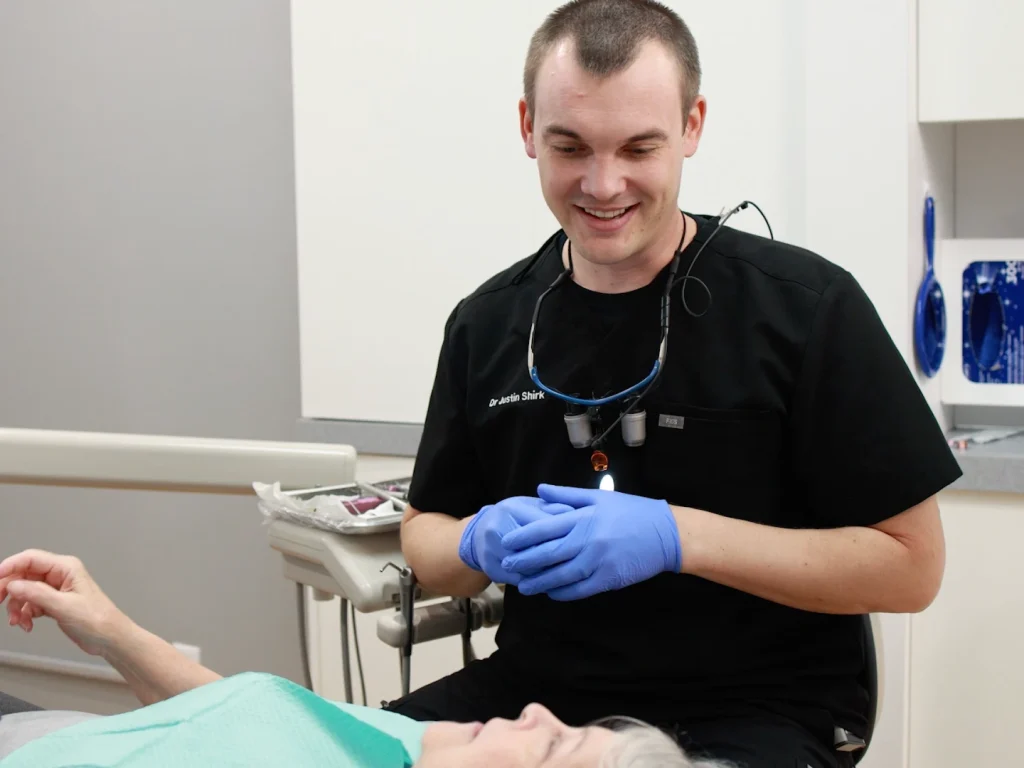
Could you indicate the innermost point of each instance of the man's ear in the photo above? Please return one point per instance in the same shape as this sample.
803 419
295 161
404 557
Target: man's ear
694 127
526 129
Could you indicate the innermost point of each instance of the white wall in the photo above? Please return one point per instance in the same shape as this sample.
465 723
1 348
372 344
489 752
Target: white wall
413 186
147 285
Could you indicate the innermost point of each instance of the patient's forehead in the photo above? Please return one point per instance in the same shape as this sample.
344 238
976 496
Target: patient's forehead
589 752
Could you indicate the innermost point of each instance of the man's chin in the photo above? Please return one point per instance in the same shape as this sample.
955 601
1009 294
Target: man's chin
602 251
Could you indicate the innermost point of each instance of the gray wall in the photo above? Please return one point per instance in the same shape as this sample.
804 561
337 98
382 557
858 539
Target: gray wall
147 284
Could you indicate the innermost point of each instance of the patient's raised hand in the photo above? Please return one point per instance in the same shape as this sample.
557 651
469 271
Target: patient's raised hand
36 583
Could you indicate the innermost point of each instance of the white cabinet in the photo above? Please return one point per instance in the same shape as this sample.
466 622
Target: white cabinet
965 667
970 60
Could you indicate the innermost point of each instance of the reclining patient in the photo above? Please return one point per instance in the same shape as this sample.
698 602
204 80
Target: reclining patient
192 716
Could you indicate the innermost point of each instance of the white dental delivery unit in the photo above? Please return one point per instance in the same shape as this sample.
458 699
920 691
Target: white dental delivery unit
344 540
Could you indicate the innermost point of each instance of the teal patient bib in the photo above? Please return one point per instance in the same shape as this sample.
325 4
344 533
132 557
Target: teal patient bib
251 719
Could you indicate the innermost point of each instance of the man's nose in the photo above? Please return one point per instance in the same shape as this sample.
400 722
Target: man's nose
603 179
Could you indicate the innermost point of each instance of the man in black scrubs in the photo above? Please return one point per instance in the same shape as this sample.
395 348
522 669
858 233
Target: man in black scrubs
782 485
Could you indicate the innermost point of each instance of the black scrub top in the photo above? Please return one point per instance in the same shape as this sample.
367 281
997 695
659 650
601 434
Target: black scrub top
797 411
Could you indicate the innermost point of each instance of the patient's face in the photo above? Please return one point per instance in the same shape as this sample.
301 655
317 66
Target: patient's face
537 739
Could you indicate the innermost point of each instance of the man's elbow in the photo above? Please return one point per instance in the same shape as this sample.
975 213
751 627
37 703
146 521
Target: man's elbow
429 545
916 600
921 560
931 583
407 530
921 586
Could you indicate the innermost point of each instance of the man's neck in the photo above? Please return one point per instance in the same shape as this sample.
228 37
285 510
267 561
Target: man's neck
632 273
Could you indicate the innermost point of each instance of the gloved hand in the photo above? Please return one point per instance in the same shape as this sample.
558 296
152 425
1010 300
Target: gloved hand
480 547
608 541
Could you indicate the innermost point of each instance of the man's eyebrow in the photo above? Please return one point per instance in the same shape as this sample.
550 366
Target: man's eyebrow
557 130
654 134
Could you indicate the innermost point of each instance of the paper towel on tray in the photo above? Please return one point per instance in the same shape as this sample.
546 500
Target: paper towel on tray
328 511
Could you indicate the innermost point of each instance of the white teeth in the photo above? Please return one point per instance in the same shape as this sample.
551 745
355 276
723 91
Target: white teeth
606 214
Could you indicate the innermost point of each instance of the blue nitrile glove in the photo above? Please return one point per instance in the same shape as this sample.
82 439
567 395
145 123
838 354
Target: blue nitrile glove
608 541
480 546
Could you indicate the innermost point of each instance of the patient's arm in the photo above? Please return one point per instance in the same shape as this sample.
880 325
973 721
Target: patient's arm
36 583
154 668
430 544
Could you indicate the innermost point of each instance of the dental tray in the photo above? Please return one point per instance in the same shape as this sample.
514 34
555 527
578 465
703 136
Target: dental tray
352 508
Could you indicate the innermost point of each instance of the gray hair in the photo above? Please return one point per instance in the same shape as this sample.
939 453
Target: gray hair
643 746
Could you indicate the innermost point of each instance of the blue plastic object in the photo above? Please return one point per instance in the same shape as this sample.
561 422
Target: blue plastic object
930 308
993 323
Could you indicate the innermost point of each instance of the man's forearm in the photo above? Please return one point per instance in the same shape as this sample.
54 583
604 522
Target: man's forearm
430 543
153 668
844 570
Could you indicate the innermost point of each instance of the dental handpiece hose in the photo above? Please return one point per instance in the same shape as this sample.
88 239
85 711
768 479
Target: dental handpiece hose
408 584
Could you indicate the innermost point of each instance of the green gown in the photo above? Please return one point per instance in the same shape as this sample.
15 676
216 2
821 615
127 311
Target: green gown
251 719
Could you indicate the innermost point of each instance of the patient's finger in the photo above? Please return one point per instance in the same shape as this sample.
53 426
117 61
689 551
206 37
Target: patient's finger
25 622
16 576
20 610
22 613
8 565
27 576
37 564
23 561
14 611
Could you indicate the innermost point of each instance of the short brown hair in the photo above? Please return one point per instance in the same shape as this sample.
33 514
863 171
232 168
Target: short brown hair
608 34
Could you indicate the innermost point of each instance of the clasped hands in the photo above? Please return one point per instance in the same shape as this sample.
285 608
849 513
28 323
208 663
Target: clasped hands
572 543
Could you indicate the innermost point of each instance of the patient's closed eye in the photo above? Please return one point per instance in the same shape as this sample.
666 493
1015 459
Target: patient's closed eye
552 746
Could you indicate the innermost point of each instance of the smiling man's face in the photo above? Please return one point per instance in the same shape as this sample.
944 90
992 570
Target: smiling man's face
610 151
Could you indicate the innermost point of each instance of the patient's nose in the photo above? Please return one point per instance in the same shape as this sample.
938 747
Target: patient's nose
535 715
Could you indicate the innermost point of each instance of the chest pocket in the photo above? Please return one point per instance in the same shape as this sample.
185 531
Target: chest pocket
729 462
